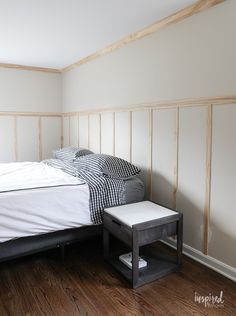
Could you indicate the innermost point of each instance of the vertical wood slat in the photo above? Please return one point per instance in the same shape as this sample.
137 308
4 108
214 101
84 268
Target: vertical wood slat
130 136
69 127
100 133
88 131
15 139
62 132
208 179
176 167
78 128
150 153
40 138
114 132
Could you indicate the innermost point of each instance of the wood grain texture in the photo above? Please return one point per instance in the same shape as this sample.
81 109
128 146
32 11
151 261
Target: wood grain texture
69 119
130 135
78 128
114 133
29 68
40 138
150 153
199 6
62 132
208 180
15 139
176 168
42 114
85 285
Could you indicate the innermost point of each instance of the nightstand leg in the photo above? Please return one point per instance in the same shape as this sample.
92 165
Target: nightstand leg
135 255
106 237
179 241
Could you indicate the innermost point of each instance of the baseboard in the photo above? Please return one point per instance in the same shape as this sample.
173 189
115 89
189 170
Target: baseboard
208 261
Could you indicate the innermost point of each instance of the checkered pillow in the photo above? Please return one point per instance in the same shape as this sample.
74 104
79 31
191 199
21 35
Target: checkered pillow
70 153
107 165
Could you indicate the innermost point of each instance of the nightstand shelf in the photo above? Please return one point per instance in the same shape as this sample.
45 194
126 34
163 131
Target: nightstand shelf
138 232
157 266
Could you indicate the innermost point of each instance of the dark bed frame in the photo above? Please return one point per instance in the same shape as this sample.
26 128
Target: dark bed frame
24 246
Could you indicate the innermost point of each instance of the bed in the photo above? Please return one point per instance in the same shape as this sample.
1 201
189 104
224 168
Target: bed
50 204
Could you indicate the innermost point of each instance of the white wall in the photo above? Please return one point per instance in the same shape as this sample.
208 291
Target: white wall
22 137
191 59
29 91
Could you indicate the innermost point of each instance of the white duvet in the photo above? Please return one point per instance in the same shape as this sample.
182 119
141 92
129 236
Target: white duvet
36 198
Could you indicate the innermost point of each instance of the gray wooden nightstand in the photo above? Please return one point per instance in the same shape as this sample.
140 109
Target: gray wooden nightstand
137 225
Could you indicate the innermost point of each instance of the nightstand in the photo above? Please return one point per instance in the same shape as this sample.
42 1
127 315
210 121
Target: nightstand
138 225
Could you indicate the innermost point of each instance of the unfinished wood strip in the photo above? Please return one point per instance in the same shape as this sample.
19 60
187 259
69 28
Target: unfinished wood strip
15 139
150 153
223 100
33 114
114 133
29 68
78 128
195 8
130 136
208 179
88 131
69 123
62 132
100 133
176 168
40 138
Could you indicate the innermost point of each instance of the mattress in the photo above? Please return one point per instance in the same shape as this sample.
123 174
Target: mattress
133 190
37 199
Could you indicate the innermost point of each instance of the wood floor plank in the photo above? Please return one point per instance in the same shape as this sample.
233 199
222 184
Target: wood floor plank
84 284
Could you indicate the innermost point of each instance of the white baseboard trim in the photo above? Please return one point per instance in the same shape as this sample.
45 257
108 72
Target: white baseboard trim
208 261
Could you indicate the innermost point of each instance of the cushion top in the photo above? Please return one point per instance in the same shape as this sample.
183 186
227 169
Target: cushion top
136 213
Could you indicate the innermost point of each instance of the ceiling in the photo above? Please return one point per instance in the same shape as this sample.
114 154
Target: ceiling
57 33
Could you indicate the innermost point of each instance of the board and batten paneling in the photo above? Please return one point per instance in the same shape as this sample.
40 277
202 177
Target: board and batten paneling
51 135
28 138
94 133
66 131
7 139
123 135
107 133
83 131
74 131
140 154
164 156
192 173
184 152
222 231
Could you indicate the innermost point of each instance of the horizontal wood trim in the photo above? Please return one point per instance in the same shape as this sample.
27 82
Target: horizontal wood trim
35 114
162 104
29 68
174 18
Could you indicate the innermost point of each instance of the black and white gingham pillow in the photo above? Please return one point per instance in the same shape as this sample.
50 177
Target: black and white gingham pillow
70 153
107 165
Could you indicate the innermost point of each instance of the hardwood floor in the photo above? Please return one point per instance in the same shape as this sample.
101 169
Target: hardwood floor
85 285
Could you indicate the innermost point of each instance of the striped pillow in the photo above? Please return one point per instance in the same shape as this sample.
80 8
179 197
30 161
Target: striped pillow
70 153
107 165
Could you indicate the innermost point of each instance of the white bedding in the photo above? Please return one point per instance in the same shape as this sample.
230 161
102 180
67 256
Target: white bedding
36 199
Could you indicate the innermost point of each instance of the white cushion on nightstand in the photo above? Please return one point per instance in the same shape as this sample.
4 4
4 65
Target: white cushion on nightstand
136 213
